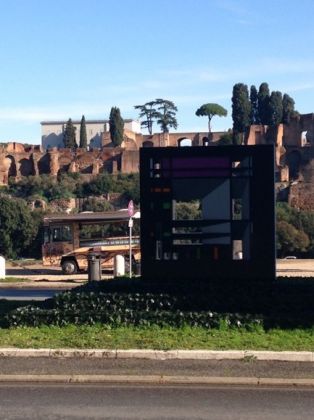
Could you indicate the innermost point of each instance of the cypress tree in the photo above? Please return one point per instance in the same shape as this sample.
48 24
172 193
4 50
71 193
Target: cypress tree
116 125
275 108
69 138
263 103
241 109
288 108
254 119
83 135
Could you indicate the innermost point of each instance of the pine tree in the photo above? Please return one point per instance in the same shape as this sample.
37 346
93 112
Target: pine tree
211 110
69 137
263 103
148 112
166 114
254 119
241 109
83 135
116 126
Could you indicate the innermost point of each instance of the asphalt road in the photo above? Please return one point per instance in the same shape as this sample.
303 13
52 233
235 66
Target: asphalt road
28 294
55 402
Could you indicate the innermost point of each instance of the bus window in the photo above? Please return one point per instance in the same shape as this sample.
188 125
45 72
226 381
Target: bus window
61 234
46 235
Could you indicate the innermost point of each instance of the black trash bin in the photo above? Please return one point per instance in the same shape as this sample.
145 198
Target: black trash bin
137 268
94 266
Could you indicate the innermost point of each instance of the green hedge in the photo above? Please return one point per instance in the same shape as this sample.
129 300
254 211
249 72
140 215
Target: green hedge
284 304
116 309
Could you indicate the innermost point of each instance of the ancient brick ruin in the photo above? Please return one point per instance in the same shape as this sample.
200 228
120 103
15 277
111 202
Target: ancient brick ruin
17 161
294 155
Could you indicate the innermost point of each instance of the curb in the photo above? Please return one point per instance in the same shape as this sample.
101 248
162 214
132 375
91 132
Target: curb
156 380
287 356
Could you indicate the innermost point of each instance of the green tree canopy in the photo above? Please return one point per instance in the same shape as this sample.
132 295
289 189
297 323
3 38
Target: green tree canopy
116 126
302 221
290 239
83 135
69 135
17 228
46 187
226 139
92 204
166 114
211 110
101 184
188 211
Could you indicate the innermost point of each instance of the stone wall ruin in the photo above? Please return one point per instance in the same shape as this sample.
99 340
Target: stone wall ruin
293 160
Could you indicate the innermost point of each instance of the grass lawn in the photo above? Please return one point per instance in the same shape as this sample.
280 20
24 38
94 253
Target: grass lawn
13 280
289 300
98 336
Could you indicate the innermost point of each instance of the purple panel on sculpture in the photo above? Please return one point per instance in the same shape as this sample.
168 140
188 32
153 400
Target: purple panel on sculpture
202 172
165 163
200 162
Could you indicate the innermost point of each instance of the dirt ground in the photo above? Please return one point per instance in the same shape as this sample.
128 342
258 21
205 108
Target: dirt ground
41 276
295 268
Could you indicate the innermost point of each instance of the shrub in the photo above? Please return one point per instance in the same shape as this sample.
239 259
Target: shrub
115 309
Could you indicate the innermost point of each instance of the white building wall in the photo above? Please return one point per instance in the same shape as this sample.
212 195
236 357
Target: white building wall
52 132
133 125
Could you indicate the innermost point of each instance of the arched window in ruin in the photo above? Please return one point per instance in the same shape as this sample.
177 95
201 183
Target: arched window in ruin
305 138
148 143
11 166
184 141
294 161
205 141
26 167
44 164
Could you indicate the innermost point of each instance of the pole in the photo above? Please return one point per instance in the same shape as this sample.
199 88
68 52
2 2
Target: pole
130 246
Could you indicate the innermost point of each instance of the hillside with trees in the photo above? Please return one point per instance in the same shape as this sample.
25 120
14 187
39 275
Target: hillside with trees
21 226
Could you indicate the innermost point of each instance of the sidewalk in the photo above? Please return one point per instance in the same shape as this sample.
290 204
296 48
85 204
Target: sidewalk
124 366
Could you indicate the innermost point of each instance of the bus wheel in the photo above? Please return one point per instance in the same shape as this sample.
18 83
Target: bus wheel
69 267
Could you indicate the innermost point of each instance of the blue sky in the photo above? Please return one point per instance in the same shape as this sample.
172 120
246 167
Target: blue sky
65 58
